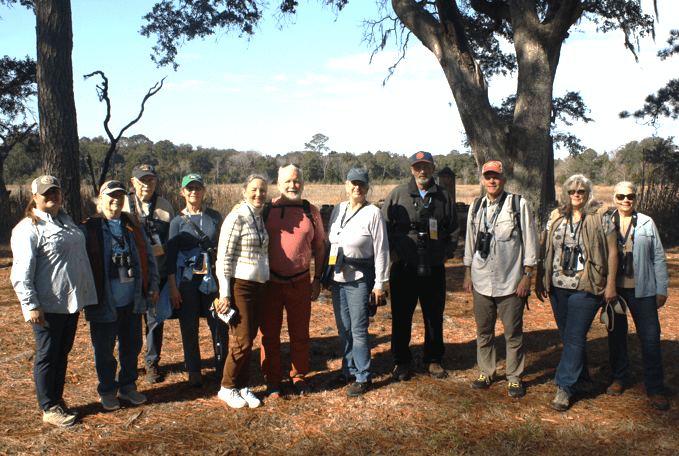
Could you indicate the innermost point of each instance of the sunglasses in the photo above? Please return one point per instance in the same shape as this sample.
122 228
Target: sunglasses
580 192
621 197
194 189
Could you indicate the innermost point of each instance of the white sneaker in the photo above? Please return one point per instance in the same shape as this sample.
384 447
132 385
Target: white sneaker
232 397
250 398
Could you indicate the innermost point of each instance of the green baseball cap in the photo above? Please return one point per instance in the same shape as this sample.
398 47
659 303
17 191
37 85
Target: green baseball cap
192 178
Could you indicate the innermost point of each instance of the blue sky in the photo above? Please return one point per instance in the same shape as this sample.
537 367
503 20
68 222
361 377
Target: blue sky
272 93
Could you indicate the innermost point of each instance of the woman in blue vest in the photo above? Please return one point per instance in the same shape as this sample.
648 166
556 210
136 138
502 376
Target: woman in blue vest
126 277
191 253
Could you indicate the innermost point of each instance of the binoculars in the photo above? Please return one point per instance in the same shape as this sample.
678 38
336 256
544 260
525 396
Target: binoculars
625 263
121 262
483 243
569 260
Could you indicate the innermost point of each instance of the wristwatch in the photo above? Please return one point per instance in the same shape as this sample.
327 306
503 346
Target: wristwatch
528 274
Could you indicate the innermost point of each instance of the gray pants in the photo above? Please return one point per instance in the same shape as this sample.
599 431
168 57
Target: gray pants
510 310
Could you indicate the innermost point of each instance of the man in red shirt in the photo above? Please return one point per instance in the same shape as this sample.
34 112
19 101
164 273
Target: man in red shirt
294 227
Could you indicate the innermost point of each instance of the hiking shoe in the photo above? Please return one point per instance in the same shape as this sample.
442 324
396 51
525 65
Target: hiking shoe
195 379
273 390
250 397
302 388
358 389
436 371
58 416
342 380
153 374
616 389
133 396
561 401
481 383
516 390
401 372
232 397
659 402
583 387
110 402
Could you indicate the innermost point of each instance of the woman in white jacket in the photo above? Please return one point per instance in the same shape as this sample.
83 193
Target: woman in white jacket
359 252
242 270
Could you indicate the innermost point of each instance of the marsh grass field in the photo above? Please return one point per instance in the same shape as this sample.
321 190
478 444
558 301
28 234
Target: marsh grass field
423 416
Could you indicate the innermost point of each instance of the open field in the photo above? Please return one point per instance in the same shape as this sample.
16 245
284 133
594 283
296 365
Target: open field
424 416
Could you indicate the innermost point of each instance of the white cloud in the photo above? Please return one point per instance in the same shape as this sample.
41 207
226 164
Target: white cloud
280 77
271 89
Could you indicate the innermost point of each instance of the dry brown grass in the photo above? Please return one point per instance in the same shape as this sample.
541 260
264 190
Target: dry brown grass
422 416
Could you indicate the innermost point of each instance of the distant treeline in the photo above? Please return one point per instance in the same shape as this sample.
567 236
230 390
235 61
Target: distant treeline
232 166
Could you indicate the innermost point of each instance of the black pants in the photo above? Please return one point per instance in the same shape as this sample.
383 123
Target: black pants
406 288
53 341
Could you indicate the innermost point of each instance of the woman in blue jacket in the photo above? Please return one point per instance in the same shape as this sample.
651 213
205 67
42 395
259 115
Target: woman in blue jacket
642 282
126 278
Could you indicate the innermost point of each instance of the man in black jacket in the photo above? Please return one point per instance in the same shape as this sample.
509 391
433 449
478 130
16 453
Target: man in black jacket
423 228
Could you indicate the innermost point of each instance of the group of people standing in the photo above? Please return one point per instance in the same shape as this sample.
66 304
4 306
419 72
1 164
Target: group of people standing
135 258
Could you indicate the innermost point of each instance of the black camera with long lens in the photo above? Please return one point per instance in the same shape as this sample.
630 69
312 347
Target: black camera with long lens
121 261
625 263
422 229
569 260
483 243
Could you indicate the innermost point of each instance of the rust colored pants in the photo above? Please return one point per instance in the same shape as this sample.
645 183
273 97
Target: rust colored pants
296 299
248 299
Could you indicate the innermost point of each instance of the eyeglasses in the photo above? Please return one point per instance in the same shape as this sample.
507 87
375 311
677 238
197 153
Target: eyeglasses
194 189
621 197
580 192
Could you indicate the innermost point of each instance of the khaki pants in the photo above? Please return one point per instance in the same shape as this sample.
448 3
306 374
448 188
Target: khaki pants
510 310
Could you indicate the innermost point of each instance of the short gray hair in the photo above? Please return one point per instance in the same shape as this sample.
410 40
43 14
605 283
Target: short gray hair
299 170
631 186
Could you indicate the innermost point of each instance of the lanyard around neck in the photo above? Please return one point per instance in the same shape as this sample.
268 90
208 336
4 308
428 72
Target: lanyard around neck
260 231
342 222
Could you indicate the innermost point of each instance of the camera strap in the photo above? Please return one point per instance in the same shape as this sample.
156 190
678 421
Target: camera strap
204 239
119 241
493 219
342 222
575 233
623 240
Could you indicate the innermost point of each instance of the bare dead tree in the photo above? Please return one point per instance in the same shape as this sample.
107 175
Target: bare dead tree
102 92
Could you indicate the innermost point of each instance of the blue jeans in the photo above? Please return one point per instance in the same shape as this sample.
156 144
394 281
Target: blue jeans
53 342
127 329
194 305
574 312
350 302
645 314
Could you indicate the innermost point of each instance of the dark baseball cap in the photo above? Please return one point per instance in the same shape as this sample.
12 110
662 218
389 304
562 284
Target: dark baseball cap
421 156
112 186
144 170
358 174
